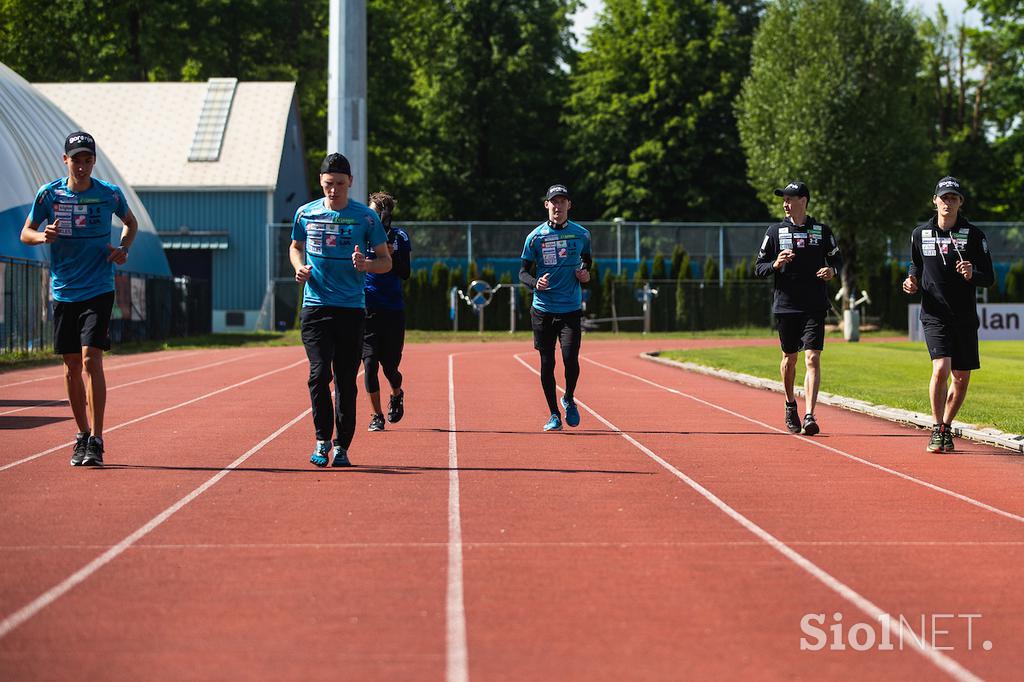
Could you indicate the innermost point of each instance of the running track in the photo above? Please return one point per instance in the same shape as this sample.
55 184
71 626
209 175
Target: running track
678 533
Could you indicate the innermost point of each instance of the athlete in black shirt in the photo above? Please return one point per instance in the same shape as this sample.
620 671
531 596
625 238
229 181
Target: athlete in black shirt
950 260
801 254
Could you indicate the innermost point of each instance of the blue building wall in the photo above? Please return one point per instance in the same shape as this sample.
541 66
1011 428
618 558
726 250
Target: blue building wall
239 272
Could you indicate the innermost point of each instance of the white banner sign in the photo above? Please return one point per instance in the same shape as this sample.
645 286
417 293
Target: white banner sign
999 322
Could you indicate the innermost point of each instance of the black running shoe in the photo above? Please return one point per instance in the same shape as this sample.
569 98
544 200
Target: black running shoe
81 440
396 408
376 423
93 453
810 426
340 457
793 418
938 437
947 439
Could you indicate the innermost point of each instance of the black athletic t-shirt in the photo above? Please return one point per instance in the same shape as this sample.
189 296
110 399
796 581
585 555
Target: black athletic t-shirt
945 295
797 287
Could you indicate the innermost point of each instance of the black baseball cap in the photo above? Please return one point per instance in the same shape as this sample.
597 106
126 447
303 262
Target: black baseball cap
949 185
556 191
794 189
336 163
79 141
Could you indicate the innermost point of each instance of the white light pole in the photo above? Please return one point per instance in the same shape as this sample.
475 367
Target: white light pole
346 89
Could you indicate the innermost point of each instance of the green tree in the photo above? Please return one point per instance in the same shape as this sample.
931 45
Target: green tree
650 115
486 84
834 103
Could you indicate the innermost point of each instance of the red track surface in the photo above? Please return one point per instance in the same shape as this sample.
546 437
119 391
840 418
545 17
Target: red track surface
690 547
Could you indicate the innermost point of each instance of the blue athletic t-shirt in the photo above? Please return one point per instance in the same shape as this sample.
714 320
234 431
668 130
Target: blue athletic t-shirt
79 269
384 290
331 237
560 254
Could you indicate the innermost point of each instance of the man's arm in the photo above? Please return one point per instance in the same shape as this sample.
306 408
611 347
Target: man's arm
31 235
583 274
526 273
764 266
401 260
296 254
128 232
833 258
379 265
916 265
982 272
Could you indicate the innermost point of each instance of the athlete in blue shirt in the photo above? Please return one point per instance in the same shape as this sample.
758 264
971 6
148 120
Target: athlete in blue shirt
330 240
384 336
556 260
76 212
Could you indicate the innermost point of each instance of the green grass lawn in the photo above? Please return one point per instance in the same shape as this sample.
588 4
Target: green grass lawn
894 374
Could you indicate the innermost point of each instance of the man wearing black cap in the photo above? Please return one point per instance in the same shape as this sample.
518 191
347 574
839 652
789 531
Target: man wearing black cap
950 259
801 254
330 239
76 212
556 260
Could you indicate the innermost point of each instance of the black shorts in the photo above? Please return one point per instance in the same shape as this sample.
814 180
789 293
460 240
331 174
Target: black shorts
801 331
958 342
384 335
82 323
562 327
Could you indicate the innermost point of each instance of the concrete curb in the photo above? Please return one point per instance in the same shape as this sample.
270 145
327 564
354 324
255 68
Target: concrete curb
1010 441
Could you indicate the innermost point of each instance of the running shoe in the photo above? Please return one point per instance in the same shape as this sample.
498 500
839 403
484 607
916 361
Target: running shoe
320 453
793 418
572 413
947 438
935 444
81 440
554 424
376 423
340 457
396 408
810 426
93 452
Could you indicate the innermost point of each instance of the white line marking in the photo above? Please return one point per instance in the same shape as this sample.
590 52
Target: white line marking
811 441
936 658
506 545
110 368
457 668
54 593
137 381
153 414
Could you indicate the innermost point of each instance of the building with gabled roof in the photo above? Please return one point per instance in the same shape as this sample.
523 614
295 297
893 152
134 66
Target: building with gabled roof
215 163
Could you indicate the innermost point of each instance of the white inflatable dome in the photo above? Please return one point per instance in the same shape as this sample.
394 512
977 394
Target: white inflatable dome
32 132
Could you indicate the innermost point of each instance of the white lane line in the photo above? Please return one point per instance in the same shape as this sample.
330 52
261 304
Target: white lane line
154 414
817 444
457 657
501 545
54 593
110 368
935 657
137 381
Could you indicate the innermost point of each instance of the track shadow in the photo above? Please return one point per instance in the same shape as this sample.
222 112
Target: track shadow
12 423
596 432
371 469
32 403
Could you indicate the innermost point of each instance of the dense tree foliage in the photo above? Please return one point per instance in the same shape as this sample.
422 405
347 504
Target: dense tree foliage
650 118
832 100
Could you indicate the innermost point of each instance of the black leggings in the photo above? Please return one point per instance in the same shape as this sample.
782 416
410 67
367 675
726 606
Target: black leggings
333 339
383 342
565 329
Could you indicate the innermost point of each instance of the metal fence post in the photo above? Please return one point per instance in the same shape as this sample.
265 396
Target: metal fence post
469 247
618 244
721 255
513 291
636 242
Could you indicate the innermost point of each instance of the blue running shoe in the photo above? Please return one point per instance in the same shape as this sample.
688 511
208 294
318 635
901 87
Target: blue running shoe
340 457
554 424
572 413
320 453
